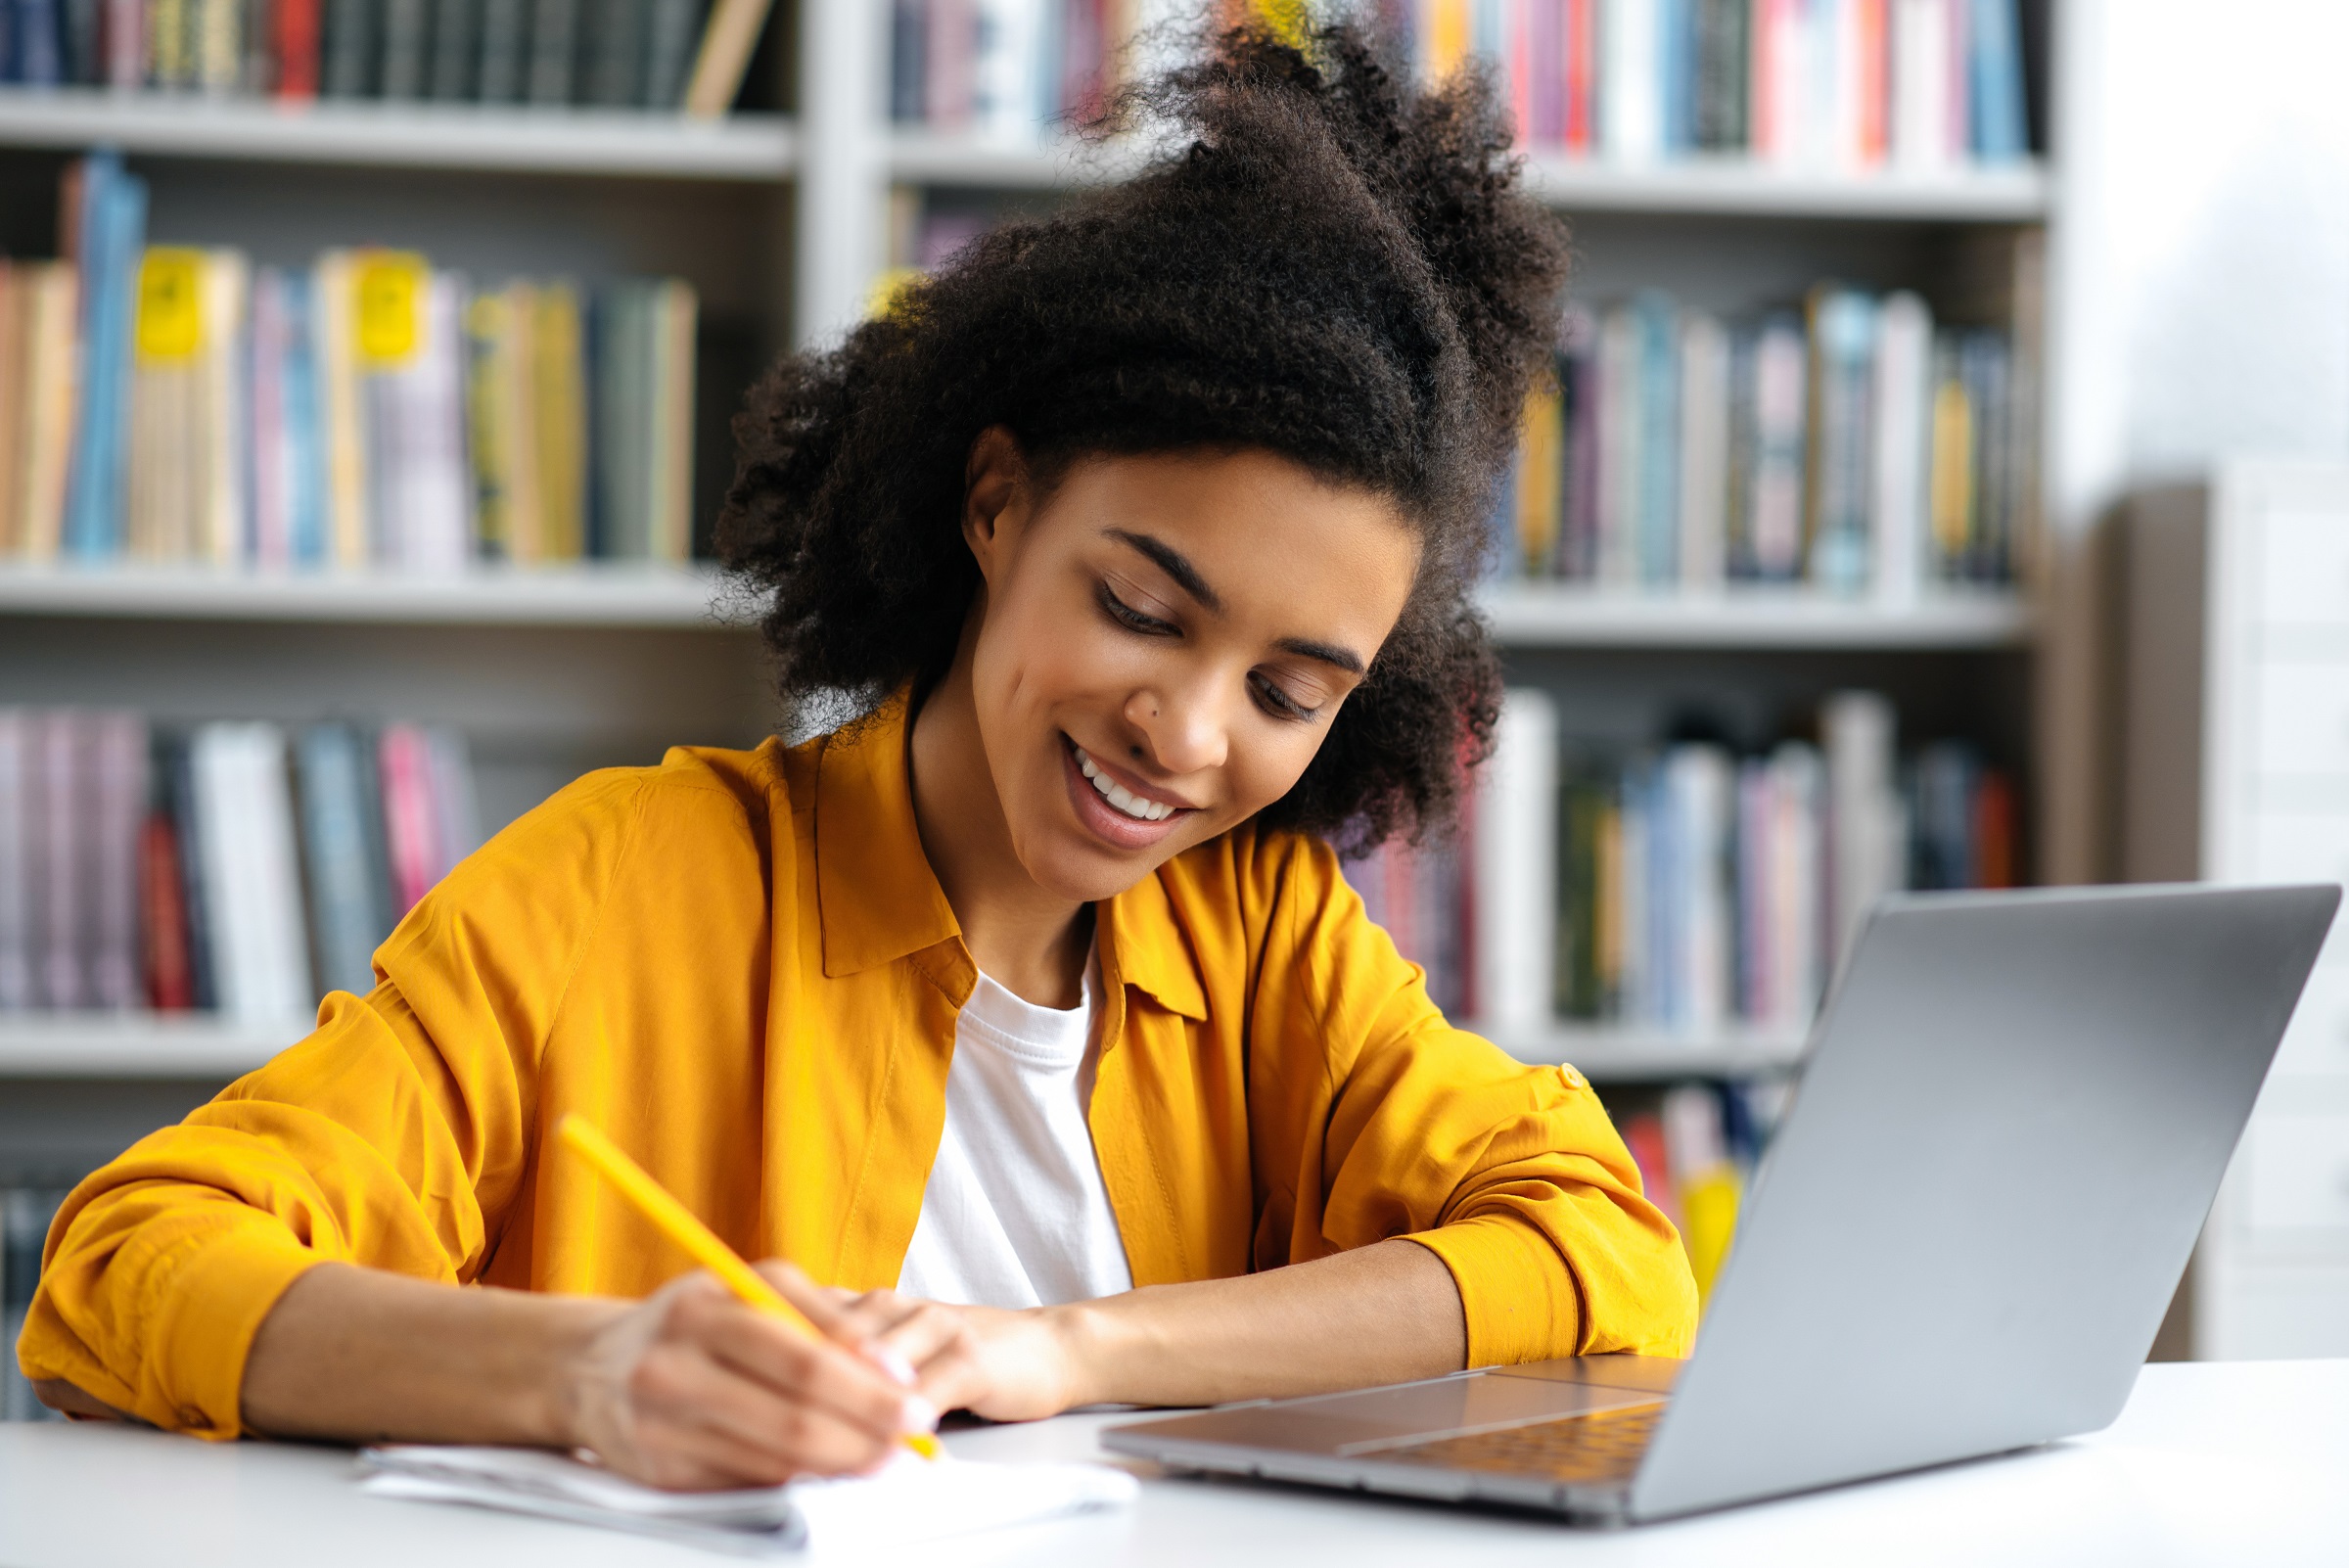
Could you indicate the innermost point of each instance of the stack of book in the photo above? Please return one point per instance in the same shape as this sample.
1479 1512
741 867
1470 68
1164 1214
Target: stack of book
1856 84
1005 71
1850 84
1697 1146
168 403
1685 889
620 54
234 867
1852 447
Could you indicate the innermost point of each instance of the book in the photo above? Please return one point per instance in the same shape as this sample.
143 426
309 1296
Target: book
109 206
19 988
550 78
49 308
1866 823
170 962
244 828
117 766
348 50
1927 119
401 66
616 52
1703 458
727 40
1842 333
1900 441
1994 112
350 908
62 794
504 51
456 51
1515 881
1655 520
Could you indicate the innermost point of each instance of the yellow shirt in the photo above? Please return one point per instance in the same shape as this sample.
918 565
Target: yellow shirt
740 966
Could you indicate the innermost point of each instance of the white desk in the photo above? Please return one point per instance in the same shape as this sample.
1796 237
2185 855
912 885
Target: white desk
2241 1463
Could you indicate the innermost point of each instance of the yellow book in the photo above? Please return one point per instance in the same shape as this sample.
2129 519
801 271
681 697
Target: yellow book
560 395
677 312
11 407
52 401
1443 47
219 431
1951 488
340 430
167 339
1707 1224
1541 472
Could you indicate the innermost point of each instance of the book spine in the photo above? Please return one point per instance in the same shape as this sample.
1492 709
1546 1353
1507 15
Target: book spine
615 52
1516 865
1994 77
456 46
171 985
343 905
1704 451
1656 477
117 744
19 823
408 831
401 74
505 53
62 858
126 44
196 858
554 51
115 220
348 64
1899 442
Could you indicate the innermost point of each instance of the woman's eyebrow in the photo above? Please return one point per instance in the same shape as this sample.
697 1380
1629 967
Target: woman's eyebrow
1329 653
1175 563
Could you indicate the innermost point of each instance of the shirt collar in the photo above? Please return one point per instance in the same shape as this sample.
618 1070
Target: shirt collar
876 894
879 900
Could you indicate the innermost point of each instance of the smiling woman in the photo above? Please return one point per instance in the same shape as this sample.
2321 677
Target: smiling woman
1028 1015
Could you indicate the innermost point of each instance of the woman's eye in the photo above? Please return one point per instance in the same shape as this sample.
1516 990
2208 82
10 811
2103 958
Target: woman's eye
1126 616
1278 703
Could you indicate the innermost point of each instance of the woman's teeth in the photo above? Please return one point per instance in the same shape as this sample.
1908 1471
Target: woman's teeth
1118 795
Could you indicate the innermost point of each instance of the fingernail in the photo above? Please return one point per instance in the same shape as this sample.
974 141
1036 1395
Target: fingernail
917 1414
895 1366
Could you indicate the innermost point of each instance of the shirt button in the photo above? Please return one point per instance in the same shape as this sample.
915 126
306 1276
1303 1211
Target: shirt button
1574 1080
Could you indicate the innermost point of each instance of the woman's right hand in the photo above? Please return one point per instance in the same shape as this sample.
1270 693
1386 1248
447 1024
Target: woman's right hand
691 1390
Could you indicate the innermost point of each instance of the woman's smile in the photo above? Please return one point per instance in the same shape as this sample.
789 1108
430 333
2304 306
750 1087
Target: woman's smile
1117 806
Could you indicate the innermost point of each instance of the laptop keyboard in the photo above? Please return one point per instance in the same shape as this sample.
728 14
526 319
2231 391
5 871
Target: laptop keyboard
1580 1449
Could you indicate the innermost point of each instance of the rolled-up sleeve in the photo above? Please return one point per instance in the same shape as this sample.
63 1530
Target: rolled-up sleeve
395 1135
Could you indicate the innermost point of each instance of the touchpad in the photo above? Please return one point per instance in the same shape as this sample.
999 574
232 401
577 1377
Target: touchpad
1339 1423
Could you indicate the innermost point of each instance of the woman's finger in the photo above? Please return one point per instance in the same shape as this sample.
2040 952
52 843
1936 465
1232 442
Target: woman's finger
853 1318
816 1373
702 1409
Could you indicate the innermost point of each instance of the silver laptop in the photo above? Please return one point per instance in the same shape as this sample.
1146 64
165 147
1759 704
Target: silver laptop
2014 1120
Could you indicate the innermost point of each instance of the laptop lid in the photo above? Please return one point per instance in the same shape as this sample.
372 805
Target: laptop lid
2014 1119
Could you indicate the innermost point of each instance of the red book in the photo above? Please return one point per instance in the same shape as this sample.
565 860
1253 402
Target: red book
163 918
1643 1136
1582 74
1994 831
297 40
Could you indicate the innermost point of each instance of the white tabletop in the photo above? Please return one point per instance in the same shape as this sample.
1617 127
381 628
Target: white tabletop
2244 1462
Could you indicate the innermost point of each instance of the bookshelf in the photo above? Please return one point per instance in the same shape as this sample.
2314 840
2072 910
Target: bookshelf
781 221
745 148
587 594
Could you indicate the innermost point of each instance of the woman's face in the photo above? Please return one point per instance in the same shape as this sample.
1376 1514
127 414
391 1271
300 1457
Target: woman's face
1163 644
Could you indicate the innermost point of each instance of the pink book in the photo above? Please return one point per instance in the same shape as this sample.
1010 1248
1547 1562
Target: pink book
118 749
61 837
411 837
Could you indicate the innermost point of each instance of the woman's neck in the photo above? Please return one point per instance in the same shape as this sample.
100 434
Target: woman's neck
1032 942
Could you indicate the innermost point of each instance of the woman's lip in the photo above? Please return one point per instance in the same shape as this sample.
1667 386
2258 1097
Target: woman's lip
1118 775
1105 820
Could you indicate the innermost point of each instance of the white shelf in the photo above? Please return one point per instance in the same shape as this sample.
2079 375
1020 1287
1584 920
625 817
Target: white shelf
594 594
1549 615
2014 193
410 135
139 1045
136 1045
2007 194
928 158
1618 1054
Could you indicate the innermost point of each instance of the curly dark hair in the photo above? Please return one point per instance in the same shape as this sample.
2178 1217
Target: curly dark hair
1329 264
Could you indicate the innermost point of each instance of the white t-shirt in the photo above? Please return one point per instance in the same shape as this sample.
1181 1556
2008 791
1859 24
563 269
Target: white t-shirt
1015 1214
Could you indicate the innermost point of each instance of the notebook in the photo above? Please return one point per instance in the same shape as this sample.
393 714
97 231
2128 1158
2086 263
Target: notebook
909 1499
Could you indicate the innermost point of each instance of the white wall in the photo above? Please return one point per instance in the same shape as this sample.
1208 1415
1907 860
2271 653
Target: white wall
2198 278
2203 246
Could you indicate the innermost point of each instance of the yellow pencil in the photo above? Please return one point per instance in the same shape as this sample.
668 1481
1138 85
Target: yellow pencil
700 1244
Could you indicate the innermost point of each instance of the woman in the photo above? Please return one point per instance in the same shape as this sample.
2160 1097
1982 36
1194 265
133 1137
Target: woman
1028 1014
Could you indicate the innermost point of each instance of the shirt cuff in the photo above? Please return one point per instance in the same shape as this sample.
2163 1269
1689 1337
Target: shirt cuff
206 1314
1516 1294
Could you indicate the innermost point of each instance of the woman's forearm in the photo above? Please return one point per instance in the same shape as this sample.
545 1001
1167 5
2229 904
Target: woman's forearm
1383 1314
363 1355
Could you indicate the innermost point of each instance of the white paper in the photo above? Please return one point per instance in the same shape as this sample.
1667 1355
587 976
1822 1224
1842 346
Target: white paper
911 1499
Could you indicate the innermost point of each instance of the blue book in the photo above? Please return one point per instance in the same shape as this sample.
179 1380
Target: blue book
1657 527
180 775
39 59
113 232
345 905
1676 27
1994 75
306 450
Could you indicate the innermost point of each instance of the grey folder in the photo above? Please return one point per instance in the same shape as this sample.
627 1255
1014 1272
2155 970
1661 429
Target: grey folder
2014 1118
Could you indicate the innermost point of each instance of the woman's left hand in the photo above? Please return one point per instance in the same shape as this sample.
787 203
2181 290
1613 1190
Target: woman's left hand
1002 1364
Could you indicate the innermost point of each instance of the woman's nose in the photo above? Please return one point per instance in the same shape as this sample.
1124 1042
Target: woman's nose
1183 728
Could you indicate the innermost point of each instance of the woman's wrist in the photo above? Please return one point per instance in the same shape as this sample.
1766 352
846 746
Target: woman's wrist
1087 1334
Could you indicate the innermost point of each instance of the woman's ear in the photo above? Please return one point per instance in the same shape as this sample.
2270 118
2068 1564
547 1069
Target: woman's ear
994 496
